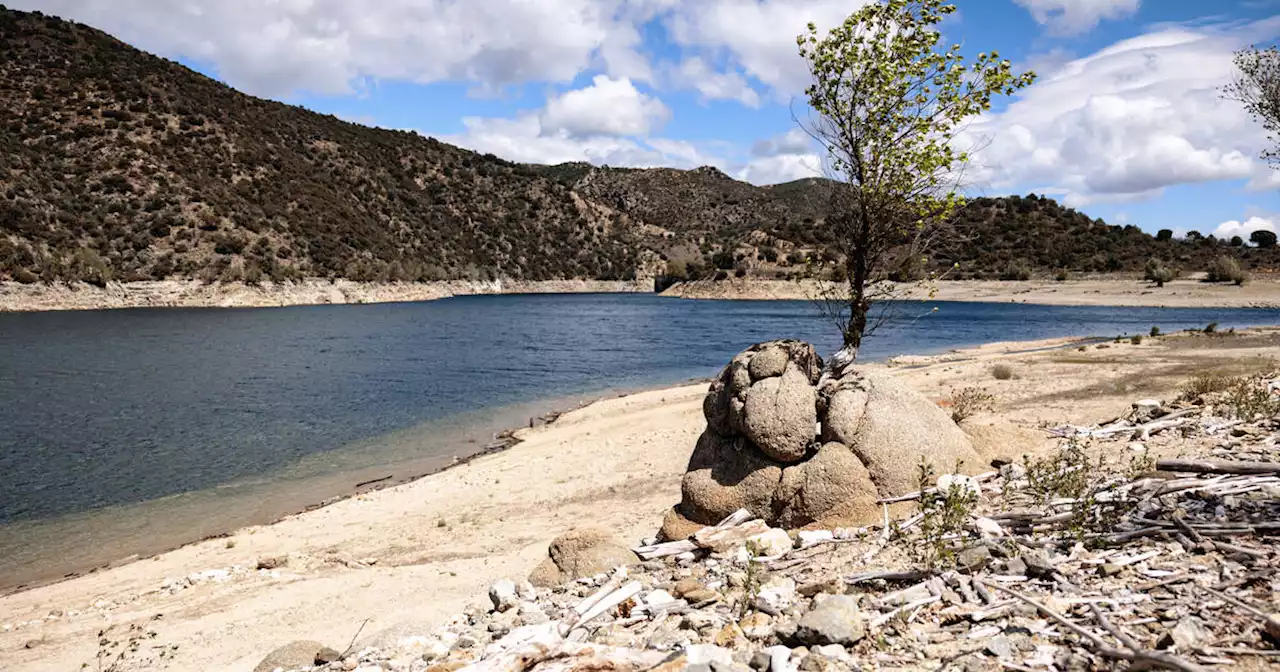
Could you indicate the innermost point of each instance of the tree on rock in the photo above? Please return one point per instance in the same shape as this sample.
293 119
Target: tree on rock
1257 87
887 105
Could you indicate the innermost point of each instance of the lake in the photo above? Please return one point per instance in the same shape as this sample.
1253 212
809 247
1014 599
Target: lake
132 431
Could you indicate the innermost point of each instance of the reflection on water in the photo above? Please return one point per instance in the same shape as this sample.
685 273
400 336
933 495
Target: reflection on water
132 431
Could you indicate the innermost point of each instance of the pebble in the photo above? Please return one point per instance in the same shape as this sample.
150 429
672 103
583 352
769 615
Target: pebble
776 595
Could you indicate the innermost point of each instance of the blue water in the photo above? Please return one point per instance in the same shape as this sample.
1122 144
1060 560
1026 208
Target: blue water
112 408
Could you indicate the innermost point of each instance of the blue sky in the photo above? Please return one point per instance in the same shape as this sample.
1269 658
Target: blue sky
1124 123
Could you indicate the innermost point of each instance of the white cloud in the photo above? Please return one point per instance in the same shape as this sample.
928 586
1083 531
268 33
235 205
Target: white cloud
781 168
758 35
695 73
794 141
327 46
1126 122
1068 17
607 107
1226 230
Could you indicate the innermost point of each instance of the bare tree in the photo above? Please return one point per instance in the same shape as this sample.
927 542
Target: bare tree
887 106
1257 87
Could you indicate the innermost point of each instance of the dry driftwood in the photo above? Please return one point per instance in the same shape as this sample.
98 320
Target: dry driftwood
1218 467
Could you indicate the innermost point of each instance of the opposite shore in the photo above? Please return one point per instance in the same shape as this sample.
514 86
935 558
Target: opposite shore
1106 291
407 557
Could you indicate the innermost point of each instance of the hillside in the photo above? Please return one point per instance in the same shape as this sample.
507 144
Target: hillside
118 165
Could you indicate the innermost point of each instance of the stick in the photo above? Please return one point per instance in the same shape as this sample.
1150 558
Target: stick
1218 467
1100 645
347 651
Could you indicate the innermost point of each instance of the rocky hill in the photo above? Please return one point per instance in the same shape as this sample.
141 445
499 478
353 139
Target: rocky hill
118 165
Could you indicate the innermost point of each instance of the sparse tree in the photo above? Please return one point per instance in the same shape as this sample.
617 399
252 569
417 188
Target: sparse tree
1257 87
1263 238
887 105
1164 234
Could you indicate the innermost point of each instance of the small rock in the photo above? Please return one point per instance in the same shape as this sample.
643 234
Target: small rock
685 586
728 635
1188 635
526 591
835 619
947 482
700 620
1015 566
708 654
776 595
760 661
1110 569
503 595
699 596
1038 564
1013 472
988 528
829 585
756 626
273 562
657 598
1000 647
973 558
772 543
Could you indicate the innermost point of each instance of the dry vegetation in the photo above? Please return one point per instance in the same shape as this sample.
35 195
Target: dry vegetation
114 166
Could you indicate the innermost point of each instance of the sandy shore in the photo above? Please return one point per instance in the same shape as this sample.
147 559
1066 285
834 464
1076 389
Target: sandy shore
421 551
17 297
1187 293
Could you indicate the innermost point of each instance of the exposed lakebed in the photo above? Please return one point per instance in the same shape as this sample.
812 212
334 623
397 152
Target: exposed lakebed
136 430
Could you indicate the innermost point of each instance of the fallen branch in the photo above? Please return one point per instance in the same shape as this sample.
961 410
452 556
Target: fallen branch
1099 645
1218 467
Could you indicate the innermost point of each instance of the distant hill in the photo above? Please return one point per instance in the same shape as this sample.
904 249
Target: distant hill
118 165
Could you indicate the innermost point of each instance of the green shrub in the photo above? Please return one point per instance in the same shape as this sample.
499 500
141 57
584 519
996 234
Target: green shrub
1002 372
1210 328
968 402
1016 270
1062 276
1226 269
1158 273
1155 331
1136 339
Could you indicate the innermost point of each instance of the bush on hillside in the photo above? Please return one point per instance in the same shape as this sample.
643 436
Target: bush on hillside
1226 269
1158 273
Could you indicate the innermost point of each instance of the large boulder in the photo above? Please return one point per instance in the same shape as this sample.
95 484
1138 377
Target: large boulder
894 430
780 414
727 474
832 489
795 454
580 553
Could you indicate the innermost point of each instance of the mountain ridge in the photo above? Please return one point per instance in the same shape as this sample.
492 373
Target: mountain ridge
117 165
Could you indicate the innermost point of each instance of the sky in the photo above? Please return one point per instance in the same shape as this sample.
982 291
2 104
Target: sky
1125 121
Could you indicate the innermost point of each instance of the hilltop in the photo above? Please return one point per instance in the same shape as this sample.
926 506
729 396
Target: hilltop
116 165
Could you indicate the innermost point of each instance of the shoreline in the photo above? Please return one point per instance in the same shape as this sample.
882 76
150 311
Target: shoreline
414 553
547 412
1262 292
16 297
1108 291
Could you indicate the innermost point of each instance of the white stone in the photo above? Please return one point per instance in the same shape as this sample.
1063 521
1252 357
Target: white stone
948 481
776 594
657 598
526 591
1137 447
772 543
988 528
780 659
831 651
503 595
700 654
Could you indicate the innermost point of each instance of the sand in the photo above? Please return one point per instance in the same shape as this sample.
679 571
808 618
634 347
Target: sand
1262 292
17 297
420 552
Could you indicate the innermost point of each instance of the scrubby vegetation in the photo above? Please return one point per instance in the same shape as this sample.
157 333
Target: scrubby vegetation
116 166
